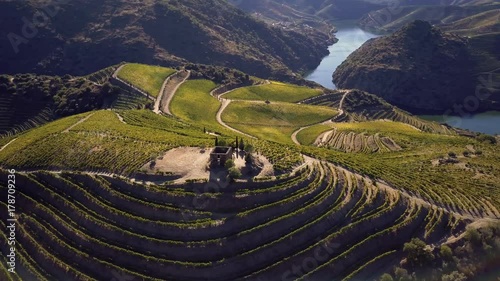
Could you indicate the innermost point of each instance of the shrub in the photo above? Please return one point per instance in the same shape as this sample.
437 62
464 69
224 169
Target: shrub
446 252
234 173
417 253
473 236
249 148
401 274
386 277
454 276
487 138
229 164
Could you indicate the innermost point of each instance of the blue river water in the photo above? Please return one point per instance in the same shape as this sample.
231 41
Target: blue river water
352 37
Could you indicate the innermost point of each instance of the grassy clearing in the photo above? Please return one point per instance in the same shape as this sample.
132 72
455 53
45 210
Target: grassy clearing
193 102
276 121
146 77
309 135
274 92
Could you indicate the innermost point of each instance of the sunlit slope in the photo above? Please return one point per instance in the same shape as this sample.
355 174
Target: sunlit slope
148 78
100 141
193 102
274 91
274 121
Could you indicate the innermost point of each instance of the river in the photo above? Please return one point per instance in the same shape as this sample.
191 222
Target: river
486 122
352 37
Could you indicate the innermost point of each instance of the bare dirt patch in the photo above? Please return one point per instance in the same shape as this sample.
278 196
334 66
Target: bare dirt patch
193 163
187 162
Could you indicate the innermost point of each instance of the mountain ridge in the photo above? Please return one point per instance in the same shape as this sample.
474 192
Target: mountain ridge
168 33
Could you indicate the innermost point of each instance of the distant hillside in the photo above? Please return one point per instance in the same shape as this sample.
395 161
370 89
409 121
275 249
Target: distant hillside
419 68
321 9
83 36
29 100
468 18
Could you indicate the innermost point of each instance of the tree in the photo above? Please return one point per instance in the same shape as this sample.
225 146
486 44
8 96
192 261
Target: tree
242 145
234 173
446 252
401 274
386 277
473 236
454 276
248 148
222 143
417 253
248 158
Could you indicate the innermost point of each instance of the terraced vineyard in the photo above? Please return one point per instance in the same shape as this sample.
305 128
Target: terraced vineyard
103 144
102 76
352 142
317 223
360 107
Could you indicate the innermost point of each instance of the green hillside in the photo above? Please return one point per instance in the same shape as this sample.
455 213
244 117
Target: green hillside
145 77
274 121
274 91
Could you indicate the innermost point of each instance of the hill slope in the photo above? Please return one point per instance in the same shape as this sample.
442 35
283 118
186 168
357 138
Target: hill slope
418 68
79 37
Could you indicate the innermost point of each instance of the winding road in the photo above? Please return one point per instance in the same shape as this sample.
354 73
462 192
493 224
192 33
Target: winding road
224 104
168 90
329 121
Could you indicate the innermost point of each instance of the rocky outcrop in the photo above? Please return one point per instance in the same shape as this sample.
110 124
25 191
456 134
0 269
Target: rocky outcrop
418 68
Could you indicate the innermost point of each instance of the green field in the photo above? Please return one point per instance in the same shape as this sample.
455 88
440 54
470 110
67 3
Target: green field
309 135
274 92
146 77
193 102
275 121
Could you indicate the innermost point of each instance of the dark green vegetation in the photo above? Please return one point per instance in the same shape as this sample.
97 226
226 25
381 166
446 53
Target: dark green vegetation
422 69
29 100
85 35
455 260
